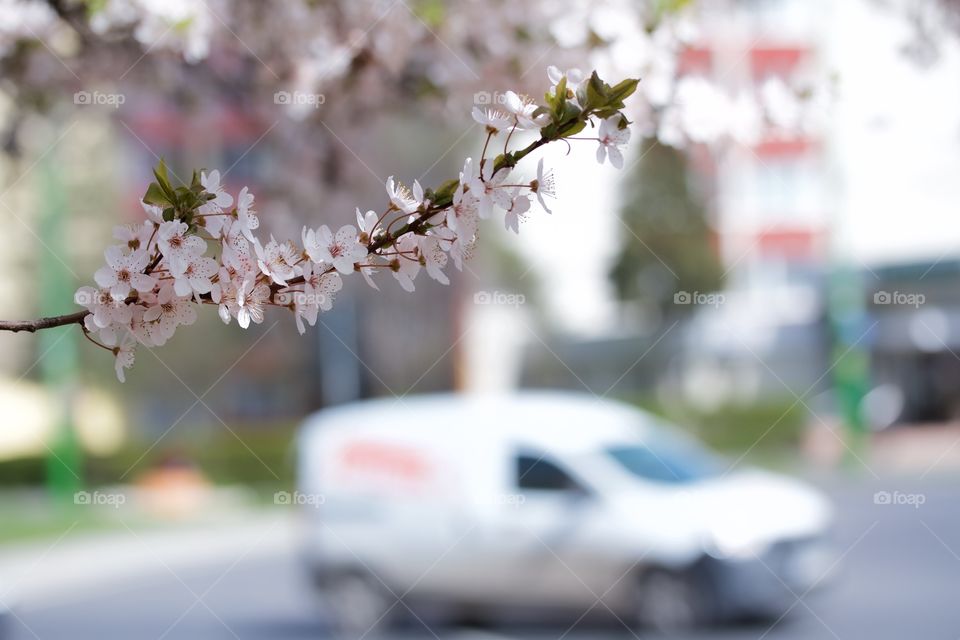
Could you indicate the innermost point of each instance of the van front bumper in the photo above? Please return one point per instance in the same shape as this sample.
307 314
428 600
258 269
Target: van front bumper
770 582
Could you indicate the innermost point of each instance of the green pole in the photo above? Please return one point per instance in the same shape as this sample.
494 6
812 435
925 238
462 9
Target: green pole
849 354
58 365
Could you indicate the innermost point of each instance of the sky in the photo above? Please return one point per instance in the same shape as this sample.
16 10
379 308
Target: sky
897 136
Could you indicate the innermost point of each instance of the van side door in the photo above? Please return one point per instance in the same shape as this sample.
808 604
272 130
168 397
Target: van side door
554 516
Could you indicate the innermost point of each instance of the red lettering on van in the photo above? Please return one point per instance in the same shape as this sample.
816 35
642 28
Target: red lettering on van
384 458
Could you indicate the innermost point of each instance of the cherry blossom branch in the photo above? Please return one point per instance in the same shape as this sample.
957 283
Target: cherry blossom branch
49 322
156 278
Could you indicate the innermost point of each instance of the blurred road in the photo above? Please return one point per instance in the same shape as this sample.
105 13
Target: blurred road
897 577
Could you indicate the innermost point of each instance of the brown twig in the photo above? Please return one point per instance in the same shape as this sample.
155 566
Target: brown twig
43 323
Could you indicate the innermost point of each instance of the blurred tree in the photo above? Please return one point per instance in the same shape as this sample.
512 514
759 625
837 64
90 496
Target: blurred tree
667 248
932 24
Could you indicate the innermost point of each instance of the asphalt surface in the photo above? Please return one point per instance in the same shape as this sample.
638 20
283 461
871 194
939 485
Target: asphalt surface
897 576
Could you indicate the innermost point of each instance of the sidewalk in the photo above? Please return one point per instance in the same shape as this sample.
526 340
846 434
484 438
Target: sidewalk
906 449
83 561
921 449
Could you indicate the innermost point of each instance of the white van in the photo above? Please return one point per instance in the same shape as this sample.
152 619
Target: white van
545 499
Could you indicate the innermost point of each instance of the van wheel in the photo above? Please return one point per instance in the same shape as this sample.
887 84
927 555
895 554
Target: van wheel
356 605
668 601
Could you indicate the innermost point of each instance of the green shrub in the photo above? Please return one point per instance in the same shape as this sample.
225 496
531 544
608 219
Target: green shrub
260 456
763 428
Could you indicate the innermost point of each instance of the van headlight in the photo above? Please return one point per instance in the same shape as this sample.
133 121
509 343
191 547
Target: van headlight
732 543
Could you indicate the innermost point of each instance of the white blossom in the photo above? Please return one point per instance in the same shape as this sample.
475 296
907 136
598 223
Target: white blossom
367 270
169 312
366 223
612 137
544 185
248 301
212 216
486 188
192 274
515 213
402 198
493 120
522 108
433 258
105 308
154 213
135 236
462 214
406 266
319 288
176 242
124 355
124 272
340 251
211 184
277 260
247 219
460 244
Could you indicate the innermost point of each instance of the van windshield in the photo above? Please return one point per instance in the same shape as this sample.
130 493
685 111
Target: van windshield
670 462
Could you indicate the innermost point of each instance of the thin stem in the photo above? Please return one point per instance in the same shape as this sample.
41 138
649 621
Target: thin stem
506 142
153 234
86 334
483 154
379 221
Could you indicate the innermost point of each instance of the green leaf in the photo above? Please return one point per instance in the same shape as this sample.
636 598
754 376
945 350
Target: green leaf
195 185
597 90
623 90
444 193
156 196
161 172
559 99
549 131
507 159
570 112
575 129
163 179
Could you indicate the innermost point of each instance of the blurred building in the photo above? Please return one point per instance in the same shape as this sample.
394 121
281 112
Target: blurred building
771 210
915 368
801 210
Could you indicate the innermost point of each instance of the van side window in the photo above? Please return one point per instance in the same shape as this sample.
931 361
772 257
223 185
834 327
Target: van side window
539 474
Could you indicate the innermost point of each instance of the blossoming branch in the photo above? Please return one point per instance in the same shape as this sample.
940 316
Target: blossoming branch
158 274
